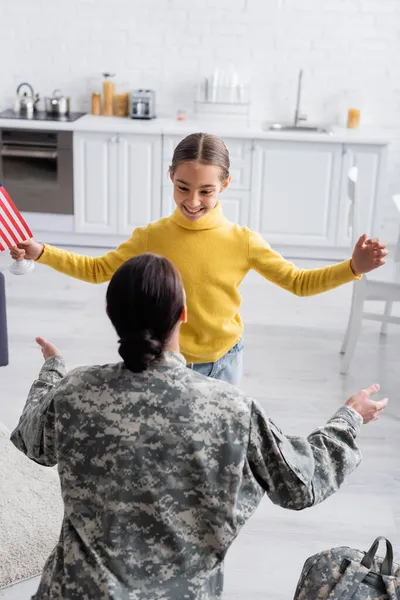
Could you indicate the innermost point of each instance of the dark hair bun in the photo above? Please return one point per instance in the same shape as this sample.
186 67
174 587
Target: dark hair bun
138 351
145 300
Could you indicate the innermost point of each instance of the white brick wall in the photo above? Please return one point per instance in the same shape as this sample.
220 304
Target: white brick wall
349 49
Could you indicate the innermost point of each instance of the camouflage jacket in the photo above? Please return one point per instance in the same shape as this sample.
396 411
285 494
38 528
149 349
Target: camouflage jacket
159 471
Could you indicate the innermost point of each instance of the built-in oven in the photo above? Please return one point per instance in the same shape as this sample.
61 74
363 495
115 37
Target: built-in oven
36 168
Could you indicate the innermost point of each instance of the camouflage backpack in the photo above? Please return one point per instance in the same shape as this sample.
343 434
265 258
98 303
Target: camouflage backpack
344 573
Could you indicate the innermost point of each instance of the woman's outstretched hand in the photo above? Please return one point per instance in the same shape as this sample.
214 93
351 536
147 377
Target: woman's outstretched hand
369 409
48 350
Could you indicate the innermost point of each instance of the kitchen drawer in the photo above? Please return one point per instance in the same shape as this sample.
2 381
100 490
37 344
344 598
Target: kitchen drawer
236 205
240 157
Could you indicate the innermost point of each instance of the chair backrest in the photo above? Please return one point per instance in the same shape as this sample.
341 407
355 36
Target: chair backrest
352 176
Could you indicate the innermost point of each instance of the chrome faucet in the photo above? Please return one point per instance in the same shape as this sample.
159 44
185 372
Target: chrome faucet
298 115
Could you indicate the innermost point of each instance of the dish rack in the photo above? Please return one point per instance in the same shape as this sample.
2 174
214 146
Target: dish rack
230 101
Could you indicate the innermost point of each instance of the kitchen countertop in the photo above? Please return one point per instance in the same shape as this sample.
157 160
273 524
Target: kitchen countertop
223 128
42 125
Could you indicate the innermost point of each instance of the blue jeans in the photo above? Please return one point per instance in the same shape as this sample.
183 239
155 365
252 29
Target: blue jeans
228 368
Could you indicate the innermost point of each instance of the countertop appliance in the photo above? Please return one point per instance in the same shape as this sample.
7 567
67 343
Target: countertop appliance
57 104
42 116
36 168
143 104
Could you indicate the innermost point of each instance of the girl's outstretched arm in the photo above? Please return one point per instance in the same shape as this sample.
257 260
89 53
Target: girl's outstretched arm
367 255
87 268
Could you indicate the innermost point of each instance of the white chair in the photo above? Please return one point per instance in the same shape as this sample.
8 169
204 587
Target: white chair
382 284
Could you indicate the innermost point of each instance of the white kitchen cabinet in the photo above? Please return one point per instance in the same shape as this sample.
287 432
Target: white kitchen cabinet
295 192
169 144
96 183
117 182
168 204
235 206
139 162
240 154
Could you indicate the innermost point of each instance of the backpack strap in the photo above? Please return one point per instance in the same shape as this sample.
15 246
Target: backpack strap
348 584
387 564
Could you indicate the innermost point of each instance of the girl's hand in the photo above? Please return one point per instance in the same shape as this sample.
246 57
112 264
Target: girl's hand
48 350
368 255
30 250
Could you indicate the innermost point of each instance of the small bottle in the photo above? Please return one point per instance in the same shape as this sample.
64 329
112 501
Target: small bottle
181 115
96 103
353 118
108 95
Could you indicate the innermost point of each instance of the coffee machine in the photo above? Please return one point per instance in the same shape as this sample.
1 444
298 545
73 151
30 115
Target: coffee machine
143 104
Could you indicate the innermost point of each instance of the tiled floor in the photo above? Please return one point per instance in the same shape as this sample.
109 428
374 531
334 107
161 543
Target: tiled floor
292 368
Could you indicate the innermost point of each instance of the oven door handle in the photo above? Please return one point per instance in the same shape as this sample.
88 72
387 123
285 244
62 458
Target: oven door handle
29 153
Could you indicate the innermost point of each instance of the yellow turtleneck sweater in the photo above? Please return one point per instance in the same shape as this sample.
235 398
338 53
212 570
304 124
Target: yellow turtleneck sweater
213 256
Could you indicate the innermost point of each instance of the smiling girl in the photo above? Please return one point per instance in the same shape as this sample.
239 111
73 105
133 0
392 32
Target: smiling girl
213 256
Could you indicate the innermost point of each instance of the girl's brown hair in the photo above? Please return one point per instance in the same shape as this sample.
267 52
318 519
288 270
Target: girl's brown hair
203 148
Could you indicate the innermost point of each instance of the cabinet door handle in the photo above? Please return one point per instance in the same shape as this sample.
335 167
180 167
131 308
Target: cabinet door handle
114 139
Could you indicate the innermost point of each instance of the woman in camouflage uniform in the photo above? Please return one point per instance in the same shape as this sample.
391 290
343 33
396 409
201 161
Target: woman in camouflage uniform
160 466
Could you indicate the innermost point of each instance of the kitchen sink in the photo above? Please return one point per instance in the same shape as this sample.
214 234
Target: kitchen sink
299 128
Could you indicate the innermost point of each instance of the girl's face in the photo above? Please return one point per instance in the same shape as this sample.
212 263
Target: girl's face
196 188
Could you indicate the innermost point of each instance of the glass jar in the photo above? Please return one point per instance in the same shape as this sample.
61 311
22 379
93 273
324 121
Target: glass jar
108 94
353 118
96 103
